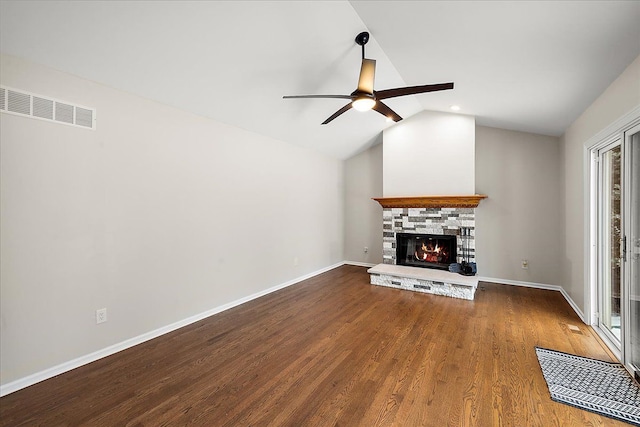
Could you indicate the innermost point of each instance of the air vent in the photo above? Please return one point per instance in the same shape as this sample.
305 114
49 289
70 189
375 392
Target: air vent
64 113
43 108
84 117
15 101
19 103
3 99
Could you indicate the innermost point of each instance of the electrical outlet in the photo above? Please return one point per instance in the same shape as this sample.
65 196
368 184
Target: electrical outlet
525 264
366 250
101 315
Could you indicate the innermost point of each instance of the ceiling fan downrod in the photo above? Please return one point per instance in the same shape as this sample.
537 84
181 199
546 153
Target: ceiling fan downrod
362 39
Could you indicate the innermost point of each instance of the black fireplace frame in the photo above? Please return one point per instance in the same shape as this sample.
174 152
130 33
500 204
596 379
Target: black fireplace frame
402 258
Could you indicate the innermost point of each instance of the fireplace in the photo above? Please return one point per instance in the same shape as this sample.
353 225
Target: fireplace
425 250
432 232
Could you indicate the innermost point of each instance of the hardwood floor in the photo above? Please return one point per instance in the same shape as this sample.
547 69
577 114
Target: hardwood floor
332 351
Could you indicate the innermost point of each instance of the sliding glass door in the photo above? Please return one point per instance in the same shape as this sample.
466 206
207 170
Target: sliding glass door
631 227
617 244
609 241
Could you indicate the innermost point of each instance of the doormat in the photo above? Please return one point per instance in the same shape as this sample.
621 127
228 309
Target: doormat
593 385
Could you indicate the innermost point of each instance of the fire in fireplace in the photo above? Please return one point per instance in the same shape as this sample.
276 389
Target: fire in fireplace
425 250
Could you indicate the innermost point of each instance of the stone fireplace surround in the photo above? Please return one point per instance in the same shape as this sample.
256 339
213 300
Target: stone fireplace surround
446 221
427 215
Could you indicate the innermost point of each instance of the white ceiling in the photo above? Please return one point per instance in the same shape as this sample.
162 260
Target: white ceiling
532 66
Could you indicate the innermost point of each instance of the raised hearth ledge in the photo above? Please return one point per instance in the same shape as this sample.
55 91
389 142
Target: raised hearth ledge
426 280
471 201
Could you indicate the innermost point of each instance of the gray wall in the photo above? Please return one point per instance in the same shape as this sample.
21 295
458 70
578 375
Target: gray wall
154 215
521 218
363 216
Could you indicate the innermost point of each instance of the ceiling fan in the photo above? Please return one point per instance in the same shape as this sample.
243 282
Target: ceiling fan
365 98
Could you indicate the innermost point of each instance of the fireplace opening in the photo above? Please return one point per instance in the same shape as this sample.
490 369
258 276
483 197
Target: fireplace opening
425 250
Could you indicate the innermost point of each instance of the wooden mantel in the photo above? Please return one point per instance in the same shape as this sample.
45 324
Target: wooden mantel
471 201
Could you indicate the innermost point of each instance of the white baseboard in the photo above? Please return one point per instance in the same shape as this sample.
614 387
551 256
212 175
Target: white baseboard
108 351
610 344
573 305
560 289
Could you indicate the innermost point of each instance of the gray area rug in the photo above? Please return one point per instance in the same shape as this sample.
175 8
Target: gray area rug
593 385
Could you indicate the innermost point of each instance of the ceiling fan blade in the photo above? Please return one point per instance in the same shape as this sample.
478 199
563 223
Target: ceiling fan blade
337 113
412 90
383 109
367 75
317 96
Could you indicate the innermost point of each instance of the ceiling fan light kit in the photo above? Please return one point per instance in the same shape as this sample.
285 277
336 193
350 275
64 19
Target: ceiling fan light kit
365 98
363 104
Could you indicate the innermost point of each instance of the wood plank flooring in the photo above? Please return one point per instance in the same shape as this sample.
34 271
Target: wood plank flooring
332 351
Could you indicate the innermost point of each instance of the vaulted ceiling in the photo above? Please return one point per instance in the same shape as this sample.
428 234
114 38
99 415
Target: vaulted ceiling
532 66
